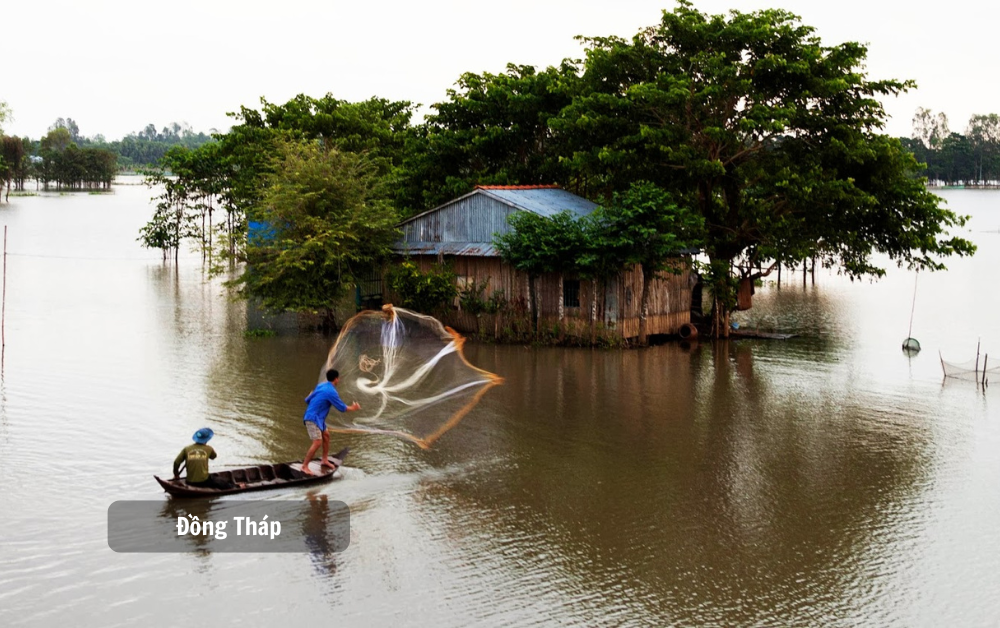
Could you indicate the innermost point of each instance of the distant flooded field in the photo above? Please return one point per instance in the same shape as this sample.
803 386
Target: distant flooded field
824 480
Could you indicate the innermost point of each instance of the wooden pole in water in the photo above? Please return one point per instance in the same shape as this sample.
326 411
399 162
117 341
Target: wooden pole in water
978 342
3 306
986 358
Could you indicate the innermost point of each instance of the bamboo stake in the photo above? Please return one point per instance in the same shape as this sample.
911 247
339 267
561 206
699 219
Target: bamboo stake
986 359
3 306
978 342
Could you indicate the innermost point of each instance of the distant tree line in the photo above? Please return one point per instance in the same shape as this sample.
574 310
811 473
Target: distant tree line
972 158
141 149
68 160
63 162
741 132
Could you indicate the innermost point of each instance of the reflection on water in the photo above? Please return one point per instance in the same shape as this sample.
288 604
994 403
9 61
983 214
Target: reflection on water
823 480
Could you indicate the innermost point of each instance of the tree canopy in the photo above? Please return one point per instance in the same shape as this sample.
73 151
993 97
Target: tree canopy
320 222
772 137
744 123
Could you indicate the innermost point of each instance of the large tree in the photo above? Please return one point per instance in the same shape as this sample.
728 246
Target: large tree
771 136
320 222
492 129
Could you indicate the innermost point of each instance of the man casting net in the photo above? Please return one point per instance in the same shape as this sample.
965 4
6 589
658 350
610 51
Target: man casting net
408 373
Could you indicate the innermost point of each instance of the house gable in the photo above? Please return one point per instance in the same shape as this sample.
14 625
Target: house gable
467 225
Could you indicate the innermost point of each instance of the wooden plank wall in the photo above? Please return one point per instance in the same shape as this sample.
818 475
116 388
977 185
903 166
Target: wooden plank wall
617 312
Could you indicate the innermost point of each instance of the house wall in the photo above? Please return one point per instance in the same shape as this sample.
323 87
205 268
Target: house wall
612 308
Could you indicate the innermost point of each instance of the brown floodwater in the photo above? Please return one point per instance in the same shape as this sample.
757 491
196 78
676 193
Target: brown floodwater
824 480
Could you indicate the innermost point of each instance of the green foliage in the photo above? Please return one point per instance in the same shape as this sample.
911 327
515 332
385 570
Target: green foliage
952 158
144 149
171 222
767 134
642 225
5 114
539 244
259 333
472 297
492 129
322 224
70 166
428 292
12 159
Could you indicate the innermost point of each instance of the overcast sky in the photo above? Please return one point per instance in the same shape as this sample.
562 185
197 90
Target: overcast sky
115 66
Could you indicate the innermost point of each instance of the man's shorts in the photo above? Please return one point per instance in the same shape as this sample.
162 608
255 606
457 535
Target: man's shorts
313 430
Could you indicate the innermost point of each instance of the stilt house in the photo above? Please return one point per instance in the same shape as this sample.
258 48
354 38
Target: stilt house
460 233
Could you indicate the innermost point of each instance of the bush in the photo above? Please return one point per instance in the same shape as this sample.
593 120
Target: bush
426 292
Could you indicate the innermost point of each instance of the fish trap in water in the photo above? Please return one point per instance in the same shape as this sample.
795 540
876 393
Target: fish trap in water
977 370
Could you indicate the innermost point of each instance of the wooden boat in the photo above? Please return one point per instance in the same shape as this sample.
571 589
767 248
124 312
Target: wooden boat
259 477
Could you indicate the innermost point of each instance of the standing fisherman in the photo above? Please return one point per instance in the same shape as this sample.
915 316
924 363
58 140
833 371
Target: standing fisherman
319 402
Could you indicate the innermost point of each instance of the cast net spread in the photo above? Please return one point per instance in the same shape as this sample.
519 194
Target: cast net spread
409 374
972 370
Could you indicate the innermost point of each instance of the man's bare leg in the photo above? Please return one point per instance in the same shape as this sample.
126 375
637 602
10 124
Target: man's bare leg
326 452
309 456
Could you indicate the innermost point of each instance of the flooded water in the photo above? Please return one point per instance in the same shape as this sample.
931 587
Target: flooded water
825 480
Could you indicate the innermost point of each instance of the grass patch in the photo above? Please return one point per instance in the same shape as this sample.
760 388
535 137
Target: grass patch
260 333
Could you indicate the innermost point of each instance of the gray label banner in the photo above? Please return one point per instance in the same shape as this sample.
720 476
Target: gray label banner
314 525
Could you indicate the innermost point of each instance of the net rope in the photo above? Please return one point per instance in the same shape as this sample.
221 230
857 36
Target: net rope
408 372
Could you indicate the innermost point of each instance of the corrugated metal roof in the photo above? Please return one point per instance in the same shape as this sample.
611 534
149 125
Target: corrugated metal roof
476 249
545 201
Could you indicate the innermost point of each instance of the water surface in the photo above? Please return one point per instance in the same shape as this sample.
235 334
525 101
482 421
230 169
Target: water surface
823 480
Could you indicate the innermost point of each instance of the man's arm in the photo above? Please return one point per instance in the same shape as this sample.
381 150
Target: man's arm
177 462
336 401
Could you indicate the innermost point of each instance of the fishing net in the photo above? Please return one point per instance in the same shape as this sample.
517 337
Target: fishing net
408 373
973 370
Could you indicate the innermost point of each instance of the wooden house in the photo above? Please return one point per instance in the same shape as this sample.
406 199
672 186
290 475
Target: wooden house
460 233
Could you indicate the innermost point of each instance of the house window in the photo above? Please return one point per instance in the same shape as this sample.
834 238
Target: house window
571 293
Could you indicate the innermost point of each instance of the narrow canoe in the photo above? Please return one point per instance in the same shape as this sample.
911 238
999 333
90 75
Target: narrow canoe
259 477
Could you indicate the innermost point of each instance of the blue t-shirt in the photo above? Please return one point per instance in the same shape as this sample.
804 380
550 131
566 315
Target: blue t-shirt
319 402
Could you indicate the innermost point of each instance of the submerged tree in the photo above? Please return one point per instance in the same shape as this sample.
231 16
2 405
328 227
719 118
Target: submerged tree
645 226
772 137
319 223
